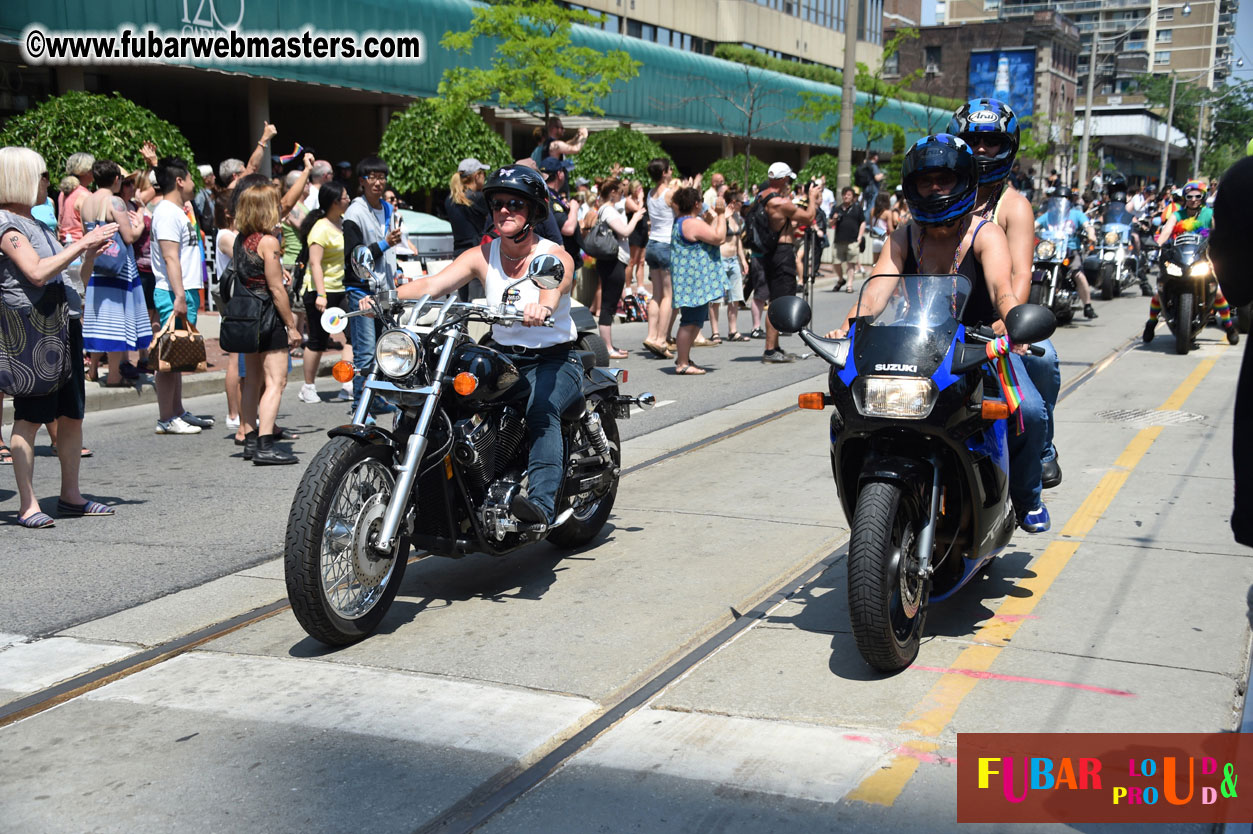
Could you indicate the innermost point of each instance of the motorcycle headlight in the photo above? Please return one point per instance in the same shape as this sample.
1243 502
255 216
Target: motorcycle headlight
892 396
1044 250
1111 238
396 353
1200 269
1174 269
1109 255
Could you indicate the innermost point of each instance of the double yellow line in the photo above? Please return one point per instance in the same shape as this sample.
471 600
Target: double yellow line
933 713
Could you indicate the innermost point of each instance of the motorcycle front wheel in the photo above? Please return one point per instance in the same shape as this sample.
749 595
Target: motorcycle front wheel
887 600
338 585
1183 323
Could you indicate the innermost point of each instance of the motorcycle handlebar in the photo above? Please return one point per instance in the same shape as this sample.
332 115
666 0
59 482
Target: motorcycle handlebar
986 334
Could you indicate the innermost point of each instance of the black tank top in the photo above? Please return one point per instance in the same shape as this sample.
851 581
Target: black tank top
980 311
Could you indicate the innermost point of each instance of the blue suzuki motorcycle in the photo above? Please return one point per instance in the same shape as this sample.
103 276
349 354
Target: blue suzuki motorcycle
918 448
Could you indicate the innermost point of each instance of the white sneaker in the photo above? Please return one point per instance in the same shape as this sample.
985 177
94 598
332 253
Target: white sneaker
176 426
309 394
232 422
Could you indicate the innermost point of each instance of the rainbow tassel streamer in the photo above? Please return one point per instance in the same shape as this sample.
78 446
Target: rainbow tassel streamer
998 351
296 152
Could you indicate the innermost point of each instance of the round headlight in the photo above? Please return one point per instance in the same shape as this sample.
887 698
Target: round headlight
1044 249
1107 256
1111 238
396 353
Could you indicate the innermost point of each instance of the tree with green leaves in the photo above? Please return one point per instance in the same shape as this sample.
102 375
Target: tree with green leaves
1188 97
1231 128
623 147
107 127
821 107
820 165
424 143
745 170
534 66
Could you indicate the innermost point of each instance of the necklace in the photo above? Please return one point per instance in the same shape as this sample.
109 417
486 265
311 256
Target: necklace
511 257
989 206
956 252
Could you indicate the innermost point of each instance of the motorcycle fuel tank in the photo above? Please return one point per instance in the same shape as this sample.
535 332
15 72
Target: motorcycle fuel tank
496 375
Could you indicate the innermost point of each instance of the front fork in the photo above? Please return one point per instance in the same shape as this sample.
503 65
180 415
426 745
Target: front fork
926 536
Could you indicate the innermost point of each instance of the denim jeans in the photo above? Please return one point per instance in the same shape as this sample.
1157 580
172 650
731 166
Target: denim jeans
1046 374
554 383
1026 447
363 332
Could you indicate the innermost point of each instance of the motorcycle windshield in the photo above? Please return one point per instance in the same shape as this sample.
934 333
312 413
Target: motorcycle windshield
1057 214
906 323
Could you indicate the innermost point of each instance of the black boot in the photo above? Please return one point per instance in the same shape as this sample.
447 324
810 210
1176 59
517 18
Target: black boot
1233 335
1149 327
524 509
250 445
1051 474
268 454
1088 312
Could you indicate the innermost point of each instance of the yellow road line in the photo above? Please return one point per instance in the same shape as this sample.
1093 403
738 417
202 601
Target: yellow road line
933 713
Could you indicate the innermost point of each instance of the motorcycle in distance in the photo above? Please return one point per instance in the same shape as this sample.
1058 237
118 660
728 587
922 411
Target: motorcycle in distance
1111 266
1052 284
442 480
1187 289
918 449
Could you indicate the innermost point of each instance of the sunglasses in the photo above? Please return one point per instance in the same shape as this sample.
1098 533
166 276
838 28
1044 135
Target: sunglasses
514 205
1193 196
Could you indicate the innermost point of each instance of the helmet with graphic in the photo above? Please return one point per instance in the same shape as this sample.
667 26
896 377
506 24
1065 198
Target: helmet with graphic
942 152
988 117
524 182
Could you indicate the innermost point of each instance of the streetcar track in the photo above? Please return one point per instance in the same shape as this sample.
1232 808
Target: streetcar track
475 808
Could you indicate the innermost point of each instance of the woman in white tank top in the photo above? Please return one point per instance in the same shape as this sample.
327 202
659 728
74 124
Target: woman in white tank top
517 199
657 256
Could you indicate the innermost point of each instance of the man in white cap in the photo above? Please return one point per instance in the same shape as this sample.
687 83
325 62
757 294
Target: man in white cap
779 259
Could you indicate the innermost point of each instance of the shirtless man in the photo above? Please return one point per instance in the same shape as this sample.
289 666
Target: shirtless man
780 262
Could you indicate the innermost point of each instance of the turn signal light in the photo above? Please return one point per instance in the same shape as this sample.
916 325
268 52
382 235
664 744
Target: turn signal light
995 410
464 383
342 371
814 400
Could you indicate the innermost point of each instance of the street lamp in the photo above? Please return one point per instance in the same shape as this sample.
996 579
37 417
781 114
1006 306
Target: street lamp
1087 107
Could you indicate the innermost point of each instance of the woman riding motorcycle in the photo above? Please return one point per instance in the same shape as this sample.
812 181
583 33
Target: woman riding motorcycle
517 199
1079 226
1194 218
940 179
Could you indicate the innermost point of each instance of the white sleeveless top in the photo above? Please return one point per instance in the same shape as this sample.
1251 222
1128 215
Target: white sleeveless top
660 217
515 335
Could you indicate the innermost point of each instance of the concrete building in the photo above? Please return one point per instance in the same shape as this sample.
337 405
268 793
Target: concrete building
1044 93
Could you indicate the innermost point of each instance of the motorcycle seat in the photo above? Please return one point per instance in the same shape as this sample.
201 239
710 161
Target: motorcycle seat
587 358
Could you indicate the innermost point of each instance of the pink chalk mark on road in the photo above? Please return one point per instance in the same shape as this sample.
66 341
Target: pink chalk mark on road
906 750
993 676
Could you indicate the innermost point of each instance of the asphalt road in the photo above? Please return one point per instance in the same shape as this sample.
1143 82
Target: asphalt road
621 688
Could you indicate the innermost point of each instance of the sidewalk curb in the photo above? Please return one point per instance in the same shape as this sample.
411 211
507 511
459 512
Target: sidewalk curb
194 385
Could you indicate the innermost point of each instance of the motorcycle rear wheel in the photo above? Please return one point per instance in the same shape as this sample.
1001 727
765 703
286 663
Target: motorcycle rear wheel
1107 286
887 602
339 588
588 520
1183 323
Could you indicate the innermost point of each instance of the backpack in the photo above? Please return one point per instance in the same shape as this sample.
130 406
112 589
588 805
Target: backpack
862 176
758 236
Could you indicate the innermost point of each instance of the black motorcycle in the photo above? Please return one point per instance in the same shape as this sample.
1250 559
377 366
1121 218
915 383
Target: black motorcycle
1052 280
1187 289
918 448
443 479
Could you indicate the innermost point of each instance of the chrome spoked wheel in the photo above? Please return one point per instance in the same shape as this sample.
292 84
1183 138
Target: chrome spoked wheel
354 574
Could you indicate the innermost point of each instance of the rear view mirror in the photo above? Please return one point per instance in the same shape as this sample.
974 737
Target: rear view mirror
363 264
546 271
1029 323
789 314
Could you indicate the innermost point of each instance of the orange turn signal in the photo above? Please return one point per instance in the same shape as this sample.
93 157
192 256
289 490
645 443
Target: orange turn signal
995 410
464 383
814 400
342 371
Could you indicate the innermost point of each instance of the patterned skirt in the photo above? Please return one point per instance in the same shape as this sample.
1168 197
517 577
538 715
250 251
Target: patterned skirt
115 317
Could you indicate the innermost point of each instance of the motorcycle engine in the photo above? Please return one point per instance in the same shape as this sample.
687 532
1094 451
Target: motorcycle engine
485 445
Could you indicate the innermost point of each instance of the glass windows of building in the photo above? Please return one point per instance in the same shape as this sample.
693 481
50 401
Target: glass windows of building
1161 57
1165 35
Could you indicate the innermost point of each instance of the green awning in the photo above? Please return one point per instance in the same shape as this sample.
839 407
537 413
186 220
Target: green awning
673 89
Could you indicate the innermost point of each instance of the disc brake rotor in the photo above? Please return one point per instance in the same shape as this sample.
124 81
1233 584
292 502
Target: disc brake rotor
907 572
368 565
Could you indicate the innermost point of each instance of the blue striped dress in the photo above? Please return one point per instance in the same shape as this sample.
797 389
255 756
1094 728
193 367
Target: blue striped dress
115 316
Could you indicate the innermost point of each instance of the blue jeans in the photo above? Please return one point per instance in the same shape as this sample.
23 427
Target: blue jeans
1046 374
363 332
1027 448
554 384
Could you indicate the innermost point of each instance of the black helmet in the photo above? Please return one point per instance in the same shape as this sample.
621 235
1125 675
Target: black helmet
940 152
988 115
526 183
1116 187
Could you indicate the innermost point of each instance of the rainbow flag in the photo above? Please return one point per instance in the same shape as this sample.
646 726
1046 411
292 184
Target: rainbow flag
295 154
998 351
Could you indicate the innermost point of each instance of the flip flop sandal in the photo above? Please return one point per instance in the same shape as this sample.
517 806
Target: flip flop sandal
656 350
6 455
689 370
715 339
737 337
37 521
619 354
67 510
85 453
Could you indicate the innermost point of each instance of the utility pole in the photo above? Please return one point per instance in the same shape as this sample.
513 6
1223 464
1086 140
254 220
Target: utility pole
1170 117
848 94
1196 151
1087 119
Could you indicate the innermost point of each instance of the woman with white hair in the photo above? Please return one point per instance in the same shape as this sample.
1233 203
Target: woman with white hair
78 165
31 260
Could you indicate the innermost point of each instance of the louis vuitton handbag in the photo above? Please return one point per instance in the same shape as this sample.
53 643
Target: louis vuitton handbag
178 348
